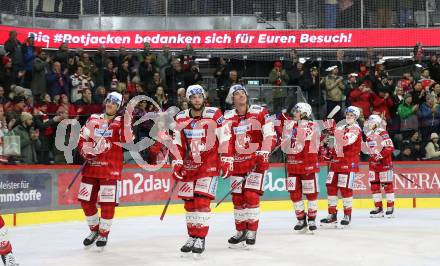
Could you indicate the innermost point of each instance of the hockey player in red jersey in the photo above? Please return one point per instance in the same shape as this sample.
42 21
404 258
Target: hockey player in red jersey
300 141
252 137
380 165
5 246
102 173
343 166
196 164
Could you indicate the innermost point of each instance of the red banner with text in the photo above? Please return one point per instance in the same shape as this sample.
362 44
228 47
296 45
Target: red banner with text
228 39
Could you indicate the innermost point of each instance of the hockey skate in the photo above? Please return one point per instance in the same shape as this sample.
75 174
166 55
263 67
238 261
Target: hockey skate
238 240
376 213
330 222
301 226
198 248
390 212
101 242
89 240
345 222
188 246
251 237
9 259
312 226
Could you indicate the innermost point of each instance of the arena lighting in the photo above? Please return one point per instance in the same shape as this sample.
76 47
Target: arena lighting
202 59
385 58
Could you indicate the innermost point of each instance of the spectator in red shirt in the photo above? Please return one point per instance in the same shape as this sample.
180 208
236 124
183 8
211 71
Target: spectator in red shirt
382 103
362 97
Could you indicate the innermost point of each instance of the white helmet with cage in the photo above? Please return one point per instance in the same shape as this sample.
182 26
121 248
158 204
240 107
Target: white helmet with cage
194 90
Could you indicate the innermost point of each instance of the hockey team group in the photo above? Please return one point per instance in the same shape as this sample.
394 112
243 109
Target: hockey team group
236 145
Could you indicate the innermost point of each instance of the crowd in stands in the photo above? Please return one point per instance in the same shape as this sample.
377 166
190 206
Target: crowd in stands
40 88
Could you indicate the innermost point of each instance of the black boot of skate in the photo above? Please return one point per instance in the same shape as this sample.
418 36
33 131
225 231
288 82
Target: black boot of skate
188 245
9 259
330 220
199 247
251 237
238 240
376 213
390 212
90 239
346 220
101 242
312 225
301 225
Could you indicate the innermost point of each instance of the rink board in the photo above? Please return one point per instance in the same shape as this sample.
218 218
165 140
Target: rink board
35 193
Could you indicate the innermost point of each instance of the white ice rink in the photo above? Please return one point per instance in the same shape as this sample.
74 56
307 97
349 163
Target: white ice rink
412 238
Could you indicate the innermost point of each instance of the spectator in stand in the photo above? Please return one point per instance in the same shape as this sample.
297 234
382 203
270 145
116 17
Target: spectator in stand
6 74
3 98
79 82
87 65
14 49
123 73
85 106
100 59
63 55
436 92
39 70
47 128
406 82
222 92
278 78
350 84
432 148
56 81
29 139
174 78
418 94
406 154
385 84
187 56
146 52
65 103
415 141
362 97
434 68
108 74
335 88
3 131
382 103
221 73
99 96
139 87
161 98
429 117
408 114
425 79
163 61
298 74
331 9
154 83
146 71
406 13
193 76
13 115
184 105
181 97
29 52
315 92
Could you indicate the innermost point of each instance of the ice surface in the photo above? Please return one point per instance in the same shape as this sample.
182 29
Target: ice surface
412 238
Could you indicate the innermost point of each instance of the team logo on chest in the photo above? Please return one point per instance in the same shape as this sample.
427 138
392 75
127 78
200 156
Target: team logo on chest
104 131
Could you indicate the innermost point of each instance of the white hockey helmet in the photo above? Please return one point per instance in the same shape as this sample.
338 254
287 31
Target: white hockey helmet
194 90
375 120
114 97
354 110
303 108
234 88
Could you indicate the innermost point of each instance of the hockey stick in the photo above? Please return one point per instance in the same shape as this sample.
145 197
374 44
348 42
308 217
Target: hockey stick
86 161
406 178
168 201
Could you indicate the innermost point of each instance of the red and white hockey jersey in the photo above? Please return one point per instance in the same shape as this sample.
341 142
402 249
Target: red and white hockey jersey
247 134
302 145
345 156
109 160
195 140
381 150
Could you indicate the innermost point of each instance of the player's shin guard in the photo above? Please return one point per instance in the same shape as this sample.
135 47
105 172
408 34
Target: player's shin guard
298 204
5 246
389 190
312 210
347 200
93 223
332 199
252 201
377 195
239 212
199 220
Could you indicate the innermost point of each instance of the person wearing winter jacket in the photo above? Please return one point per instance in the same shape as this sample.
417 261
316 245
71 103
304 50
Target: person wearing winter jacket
429 117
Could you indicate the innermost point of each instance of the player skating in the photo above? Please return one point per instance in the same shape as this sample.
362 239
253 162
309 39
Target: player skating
380 166
343 167
251 138
300 140
102 173
195 164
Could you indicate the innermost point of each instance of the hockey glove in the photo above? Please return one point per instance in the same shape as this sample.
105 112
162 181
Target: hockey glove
177 169
227 166
262 160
